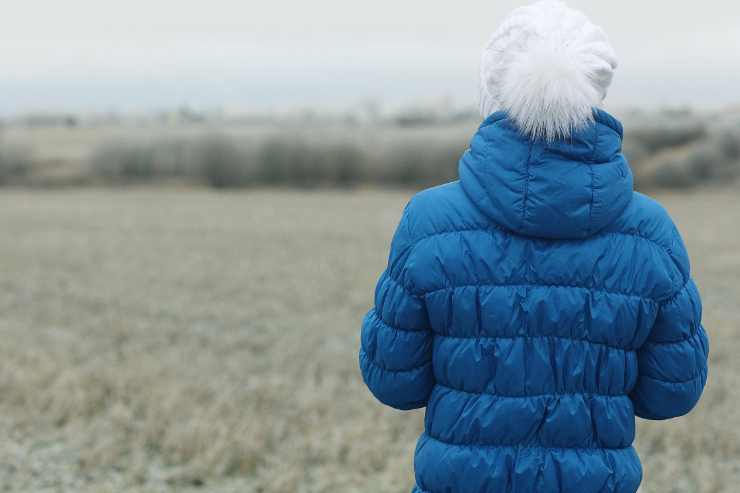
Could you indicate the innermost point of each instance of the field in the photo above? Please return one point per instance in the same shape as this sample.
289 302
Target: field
186 340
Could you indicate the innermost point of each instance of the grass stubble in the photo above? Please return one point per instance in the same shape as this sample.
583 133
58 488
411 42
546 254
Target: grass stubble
158 341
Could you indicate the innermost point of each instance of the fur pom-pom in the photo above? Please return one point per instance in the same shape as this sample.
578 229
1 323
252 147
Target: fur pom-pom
547 66
548 91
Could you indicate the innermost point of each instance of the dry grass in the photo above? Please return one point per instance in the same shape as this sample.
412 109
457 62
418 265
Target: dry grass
191 341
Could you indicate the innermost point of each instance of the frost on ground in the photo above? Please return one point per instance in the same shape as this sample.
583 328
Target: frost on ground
159 341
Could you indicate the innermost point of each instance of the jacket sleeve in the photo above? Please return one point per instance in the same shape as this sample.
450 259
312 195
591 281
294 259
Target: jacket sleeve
673 361
396 342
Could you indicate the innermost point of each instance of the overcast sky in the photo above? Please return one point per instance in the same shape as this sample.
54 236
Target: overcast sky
97 55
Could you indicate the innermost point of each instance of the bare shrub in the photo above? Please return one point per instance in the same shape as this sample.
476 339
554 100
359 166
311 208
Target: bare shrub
729 143
674 149
664 134
124 163
417 164
345 164
222 163
714 159
15 164
213 160
281 161
636 152
299 163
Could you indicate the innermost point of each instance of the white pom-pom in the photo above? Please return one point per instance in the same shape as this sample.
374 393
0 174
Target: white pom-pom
547 66
548 92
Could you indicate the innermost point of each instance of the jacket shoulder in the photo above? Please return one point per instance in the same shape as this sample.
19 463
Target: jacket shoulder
442 209
647 218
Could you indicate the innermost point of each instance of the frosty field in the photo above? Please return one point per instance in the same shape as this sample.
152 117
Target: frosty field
159 340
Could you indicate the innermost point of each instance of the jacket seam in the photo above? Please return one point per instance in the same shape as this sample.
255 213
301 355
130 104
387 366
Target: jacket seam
527 177
497 228
675 295
524 447
413 369
593 198
592 159
375 315
527 396
402 286
593 181
596 446
535 285
530 337
494 229
694 331
700 374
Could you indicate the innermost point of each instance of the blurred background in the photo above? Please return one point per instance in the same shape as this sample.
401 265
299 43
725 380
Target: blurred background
197 199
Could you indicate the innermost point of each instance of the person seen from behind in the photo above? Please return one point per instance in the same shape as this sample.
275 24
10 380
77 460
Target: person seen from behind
539 304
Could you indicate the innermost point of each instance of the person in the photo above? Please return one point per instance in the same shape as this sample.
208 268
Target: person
538 304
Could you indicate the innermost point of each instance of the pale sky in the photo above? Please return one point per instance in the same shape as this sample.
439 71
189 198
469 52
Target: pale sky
98 55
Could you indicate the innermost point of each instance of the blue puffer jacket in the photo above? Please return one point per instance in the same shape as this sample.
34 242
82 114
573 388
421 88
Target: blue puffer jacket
535 308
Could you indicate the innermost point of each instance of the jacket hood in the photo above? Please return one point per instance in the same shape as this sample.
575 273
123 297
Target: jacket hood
566 189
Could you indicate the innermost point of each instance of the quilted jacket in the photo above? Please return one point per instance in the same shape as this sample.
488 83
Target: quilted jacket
535 307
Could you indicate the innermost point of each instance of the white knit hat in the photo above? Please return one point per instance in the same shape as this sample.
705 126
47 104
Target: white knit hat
547 66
